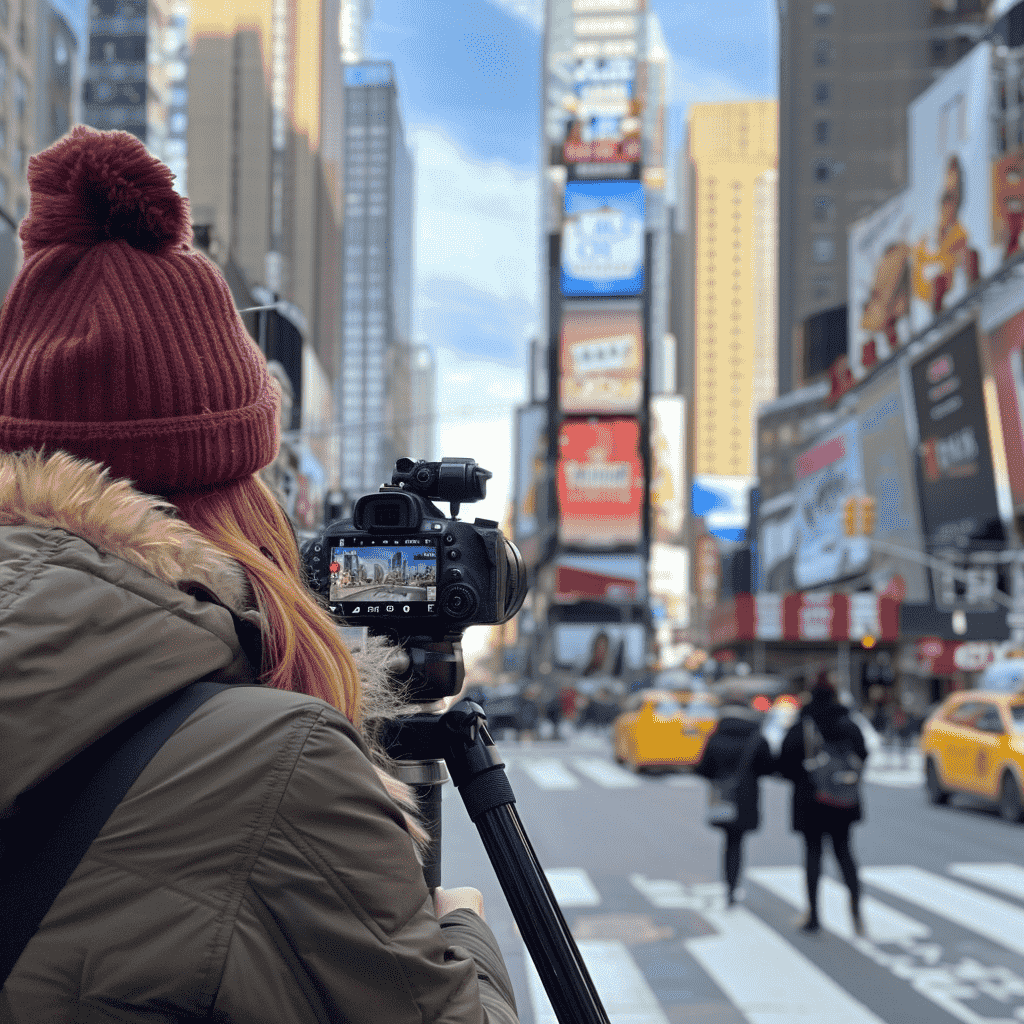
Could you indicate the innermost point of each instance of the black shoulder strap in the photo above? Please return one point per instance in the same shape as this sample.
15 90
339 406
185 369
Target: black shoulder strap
55 822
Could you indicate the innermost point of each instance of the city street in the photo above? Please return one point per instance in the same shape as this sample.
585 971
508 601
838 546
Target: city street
636 872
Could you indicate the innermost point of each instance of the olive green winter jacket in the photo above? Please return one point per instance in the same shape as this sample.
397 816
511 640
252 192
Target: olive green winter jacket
257 871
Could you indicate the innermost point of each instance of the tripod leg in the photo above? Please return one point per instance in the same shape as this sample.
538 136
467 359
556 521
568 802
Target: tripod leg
480 777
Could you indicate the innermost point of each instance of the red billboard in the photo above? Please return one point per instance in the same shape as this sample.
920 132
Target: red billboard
600 484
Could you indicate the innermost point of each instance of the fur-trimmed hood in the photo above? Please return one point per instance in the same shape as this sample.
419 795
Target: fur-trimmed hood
107 603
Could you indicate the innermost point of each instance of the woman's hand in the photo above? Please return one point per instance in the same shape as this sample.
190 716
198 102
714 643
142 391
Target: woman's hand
447 900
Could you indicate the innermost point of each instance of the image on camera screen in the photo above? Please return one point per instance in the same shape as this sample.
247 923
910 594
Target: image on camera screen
369 577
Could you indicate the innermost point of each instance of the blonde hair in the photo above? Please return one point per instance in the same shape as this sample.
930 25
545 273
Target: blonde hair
302 649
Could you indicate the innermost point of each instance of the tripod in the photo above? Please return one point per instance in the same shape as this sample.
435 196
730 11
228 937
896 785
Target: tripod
424 744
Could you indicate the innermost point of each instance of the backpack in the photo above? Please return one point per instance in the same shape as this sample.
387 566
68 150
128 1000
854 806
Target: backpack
834 768
723 794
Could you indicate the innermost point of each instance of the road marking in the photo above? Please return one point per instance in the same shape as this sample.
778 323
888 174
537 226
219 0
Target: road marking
767 979
686 781
623 989
611 776
548 773
1006 878
883 923
572 887
996 920
669 894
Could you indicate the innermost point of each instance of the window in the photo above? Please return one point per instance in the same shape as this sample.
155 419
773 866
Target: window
823 249
822 170
822 132
822 286
20 96
3 190
822 93
823 13
823 52
966 714
989 720
824 209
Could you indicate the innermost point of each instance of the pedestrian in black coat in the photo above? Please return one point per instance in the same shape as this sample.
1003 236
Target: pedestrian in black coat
727 748
816 820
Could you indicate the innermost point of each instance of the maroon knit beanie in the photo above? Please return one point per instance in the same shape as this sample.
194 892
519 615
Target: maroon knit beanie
118 342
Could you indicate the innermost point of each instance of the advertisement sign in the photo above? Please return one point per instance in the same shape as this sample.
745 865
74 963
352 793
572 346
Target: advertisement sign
603 238
600 484
949 168
776 543
707 570
1005 345
920 253
601 361
531 480
614 579
605 108
668 468
889 476
599 650
668 573
954 458
826 475
879 283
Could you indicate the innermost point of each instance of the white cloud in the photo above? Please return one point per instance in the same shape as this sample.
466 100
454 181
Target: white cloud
530 11
476 220
475 402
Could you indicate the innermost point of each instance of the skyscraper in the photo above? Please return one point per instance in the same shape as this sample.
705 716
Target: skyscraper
847 73
128 78
373 383
732 176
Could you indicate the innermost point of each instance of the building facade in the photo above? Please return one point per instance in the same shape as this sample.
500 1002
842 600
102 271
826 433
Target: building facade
374 384
732 160
264 130
847 73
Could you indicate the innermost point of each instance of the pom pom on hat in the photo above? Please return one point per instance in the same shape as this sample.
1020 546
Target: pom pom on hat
120 343
93 186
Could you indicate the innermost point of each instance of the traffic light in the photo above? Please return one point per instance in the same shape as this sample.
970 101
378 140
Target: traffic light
850 517
867 514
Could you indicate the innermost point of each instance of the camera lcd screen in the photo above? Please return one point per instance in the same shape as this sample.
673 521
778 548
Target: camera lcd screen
375 576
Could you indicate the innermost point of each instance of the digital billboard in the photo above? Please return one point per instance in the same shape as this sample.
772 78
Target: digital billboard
826 474
954 458
668 468
603 238
601 360
606 111
600 484
889 476
612 579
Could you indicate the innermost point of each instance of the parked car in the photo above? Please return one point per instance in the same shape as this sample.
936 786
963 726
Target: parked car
655 731
974 743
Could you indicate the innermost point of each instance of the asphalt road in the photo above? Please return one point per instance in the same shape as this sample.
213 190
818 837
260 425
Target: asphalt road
636 872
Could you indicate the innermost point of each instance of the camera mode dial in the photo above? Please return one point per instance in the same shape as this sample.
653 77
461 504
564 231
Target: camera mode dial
458 601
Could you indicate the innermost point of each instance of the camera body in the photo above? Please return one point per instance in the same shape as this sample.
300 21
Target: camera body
400 566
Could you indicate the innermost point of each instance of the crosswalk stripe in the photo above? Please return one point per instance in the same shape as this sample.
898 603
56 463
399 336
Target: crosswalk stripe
572 887
549 773
985 915
1006 878
623 989
882 922
604 773
767 979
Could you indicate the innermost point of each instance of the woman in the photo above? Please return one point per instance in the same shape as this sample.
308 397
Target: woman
823 719
261 868
736 750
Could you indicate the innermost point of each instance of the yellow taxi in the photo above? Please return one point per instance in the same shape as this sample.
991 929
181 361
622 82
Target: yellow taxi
974 743
655 731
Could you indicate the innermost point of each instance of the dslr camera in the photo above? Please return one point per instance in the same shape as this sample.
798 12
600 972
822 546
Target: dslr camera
400 567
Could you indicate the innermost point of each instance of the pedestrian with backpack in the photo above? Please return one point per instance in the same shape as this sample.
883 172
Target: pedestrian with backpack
254 860
823 754
734 758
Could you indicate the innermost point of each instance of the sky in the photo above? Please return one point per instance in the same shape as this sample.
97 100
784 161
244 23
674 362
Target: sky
469 79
